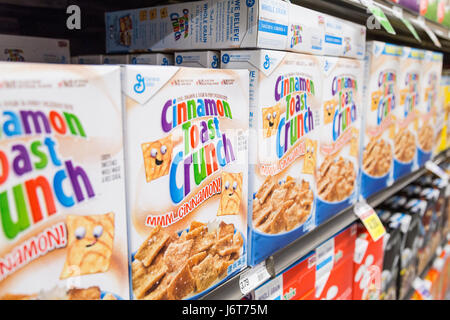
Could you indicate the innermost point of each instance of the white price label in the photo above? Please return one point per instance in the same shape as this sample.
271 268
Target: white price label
253 278
367 3
370 219
433 167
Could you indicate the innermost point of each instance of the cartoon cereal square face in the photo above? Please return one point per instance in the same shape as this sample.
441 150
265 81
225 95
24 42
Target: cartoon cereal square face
163 12
271 119
354 147
309 164
153 14
90 244
376 96
231 194
328 111
157 158
403 96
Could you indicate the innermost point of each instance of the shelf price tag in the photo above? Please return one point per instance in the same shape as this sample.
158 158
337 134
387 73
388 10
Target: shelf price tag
253 278
398 12
422 289
370 220
379 15
433 167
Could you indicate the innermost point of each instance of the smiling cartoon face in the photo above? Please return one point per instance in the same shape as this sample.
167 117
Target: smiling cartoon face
89 247
328 111
309 163
157 158
271 119
376 96
231 194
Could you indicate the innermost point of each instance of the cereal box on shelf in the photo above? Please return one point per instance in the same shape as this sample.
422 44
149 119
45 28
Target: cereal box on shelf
116 59
405 111
380 100
429 128
285 93
186 141
199 59
338 150
34 49
90 59
158 59
63 219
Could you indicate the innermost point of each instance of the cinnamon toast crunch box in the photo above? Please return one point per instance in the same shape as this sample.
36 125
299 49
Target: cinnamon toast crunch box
285 93
380 100
62 192
186 142
338 152
430 118
409 90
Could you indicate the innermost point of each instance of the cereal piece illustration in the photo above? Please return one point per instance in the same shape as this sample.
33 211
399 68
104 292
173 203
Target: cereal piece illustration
271 119
404 146
184 265
336 179
377 158
309 163
157 158
376 96
280 207
90 244
329 108
425 137
231 194
91 293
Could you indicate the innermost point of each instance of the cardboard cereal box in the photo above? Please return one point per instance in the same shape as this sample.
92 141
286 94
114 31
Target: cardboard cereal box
445 101
380 100
405 111
430 121
199 59
186 141
63 221
338 153
160 59
285 93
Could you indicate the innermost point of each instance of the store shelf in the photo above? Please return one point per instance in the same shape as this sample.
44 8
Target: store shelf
285 257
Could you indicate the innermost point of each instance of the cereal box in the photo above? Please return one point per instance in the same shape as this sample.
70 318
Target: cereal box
285 93
380 100
157 59
405 111
338 152
431 120
199 59
445 101
116 59
34 49
90 59
187 168
62 199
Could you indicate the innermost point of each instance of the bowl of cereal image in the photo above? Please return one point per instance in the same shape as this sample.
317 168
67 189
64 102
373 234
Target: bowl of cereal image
336 180
404 152
187 264
282 212
424 144
376 166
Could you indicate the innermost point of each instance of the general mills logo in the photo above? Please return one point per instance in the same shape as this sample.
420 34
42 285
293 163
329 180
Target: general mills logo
165 62
215 62
179 59
134 60
139 86
250 3
266 62
327 65
225 58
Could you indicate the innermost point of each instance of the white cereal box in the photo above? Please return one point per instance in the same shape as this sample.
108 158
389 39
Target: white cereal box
187 168
116 59
285 93
63 220
380 100
157 59
34 49
405 112
90 59
430 118
338 152
199 59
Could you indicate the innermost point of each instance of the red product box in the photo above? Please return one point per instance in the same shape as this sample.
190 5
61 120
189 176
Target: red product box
367 266
326 273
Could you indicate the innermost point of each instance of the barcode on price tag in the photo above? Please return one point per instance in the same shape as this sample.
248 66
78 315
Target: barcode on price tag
253 278
370 220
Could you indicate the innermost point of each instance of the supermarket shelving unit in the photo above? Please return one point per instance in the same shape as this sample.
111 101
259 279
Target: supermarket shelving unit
285 257
47 18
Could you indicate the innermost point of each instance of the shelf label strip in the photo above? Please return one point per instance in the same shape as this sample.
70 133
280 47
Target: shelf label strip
370 220
253 278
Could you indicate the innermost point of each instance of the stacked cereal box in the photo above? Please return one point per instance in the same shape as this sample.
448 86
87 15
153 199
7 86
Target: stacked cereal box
380 100
186 141
285 93
431 121
63 219
408 85
338 152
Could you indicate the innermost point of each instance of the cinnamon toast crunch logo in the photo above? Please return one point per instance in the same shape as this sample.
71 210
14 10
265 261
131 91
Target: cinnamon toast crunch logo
180 24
